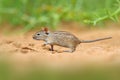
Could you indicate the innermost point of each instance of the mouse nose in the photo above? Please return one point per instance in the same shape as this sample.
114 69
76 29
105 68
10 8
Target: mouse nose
33 37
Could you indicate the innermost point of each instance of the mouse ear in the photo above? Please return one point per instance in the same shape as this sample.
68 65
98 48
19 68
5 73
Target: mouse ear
45 29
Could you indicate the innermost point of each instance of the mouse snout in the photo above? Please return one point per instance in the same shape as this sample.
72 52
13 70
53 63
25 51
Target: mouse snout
34 37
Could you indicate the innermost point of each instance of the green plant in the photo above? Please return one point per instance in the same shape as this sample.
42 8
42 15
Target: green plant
108 15
33 13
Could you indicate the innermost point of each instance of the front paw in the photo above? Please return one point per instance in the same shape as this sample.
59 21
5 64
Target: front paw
43 45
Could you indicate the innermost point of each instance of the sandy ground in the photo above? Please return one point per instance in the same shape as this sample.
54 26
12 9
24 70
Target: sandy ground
23 50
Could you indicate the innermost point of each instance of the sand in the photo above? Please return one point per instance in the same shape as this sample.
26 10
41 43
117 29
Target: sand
23 50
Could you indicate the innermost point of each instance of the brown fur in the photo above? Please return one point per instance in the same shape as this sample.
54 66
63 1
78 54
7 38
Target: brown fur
61 38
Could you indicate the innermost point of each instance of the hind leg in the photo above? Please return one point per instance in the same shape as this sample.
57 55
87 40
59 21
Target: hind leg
71 50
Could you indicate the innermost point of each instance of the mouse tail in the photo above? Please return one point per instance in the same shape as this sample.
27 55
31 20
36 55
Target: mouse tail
89 41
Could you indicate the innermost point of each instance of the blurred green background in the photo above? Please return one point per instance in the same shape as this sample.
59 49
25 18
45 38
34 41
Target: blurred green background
42 73
33 13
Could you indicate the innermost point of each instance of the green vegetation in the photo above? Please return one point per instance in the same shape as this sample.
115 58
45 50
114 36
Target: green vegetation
32 13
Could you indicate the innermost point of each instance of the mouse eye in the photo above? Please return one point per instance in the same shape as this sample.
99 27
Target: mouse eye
38 34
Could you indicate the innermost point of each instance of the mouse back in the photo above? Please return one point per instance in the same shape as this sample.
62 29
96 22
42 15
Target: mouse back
63 38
